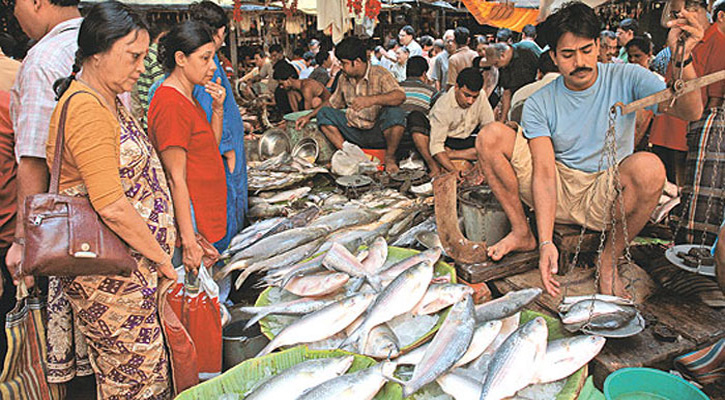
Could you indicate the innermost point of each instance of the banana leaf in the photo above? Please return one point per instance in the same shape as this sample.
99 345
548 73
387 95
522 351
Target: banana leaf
239 381
395 254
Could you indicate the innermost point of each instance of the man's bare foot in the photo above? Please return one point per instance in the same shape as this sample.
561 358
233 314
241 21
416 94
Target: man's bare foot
512 242
390 165
617 289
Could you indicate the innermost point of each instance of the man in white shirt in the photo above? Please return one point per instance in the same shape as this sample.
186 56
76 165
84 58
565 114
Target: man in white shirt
407 39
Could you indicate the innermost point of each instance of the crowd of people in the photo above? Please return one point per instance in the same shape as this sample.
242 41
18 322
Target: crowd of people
154 138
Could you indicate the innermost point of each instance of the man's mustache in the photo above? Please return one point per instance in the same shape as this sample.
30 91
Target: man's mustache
580 69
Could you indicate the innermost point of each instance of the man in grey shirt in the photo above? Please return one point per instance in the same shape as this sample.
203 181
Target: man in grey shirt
439 75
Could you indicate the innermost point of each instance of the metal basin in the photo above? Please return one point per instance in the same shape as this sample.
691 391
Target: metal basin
483 217
307 149
273 143
240 344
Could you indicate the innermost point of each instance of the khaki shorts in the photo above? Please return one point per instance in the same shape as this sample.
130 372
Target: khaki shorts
582 198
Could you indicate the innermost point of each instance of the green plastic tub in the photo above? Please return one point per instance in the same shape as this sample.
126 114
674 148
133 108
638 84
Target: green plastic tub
649 384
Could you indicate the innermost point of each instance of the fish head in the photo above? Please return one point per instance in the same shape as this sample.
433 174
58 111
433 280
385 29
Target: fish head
434 254
343 364
387 368
596 342
536 328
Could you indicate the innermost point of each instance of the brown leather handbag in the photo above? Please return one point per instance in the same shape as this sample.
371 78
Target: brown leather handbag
64 236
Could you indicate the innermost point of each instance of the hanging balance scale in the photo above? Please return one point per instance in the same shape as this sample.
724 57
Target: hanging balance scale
609 155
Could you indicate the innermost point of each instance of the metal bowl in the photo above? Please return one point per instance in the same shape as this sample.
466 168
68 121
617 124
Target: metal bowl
273 143
307 149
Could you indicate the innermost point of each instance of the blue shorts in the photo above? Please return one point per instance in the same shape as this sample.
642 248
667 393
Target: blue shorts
367 139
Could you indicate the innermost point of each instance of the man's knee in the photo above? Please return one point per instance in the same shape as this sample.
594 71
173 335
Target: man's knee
493 136
392 117
327 116
647 172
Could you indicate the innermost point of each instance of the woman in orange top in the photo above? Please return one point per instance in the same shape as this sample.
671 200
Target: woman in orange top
108 158
188 144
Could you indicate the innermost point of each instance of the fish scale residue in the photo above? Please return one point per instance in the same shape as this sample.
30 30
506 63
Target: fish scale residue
409 328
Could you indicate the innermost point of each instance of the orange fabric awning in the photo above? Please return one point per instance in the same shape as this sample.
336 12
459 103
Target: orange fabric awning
501 15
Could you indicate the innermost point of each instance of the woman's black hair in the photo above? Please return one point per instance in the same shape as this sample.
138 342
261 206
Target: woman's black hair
186 37
104 24
574 17
283 71
641 42
209 13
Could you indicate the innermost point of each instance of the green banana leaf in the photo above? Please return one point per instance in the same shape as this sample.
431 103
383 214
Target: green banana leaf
237 382
395 254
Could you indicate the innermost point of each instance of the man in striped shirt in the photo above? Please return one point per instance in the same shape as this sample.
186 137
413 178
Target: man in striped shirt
418 94
153 72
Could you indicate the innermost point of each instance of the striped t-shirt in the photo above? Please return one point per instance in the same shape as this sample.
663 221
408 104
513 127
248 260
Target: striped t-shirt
417 95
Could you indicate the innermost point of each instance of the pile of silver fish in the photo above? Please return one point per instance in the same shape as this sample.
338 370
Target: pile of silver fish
277 245
479 352
280 172
324 379
596 312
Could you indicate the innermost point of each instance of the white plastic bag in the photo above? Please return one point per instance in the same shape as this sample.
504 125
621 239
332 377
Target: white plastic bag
345 161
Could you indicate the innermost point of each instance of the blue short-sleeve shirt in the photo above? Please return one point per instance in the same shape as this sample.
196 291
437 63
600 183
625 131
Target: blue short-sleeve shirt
577 121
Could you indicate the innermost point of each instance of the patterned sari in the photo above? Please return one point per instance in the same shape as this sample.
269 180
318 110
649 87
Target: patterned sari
118 316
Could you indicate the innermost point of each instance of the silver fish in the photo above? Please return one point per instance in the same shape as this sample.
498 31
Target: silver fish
568 302
460 386
294 307
516 361
338 258
509 325
250 235
312 265
392 272
266 210
345 218
377 254
483 336
284 196
407 239
448 346
441 295
396 299
566 356
290 257
321 324
294 381
505 306
360 385
279 243
382 343
316 285
581 312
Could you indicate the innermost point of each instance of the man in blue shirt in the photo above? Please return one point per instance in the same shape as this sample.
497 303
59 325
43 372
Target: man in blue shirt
553 165
528 40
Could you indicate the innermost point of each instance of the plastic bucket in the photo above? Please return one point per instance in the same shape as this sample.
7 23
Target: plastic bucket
649 384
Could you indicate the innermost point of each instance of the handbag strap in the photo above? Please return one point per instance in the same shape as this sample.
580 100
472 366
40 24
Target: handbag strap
59 143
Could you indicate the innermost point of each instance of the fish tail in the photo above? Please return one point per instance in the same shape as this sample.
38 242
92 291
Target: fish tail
394 380
243 276
375 282
256 319
229 268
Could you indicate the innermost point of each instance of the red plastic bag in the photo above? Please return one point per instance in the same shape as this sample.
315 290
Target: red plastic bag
197 306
